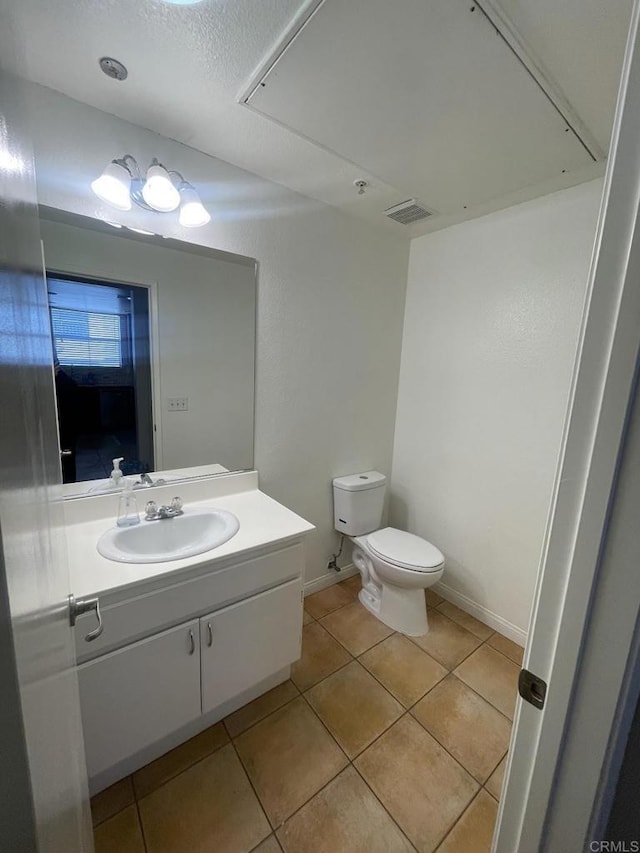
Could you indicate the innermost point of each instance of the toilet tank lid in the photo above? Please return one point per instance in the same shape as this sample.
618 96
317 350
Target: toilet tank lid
359 482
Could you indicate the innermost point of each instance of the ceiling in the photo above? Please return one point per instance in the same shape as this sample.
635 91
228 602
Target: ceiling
425 102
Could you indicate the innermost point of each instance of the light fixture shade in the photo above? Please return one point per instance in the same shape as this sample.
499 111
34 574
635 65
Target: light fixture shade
159 191
193 213
114 186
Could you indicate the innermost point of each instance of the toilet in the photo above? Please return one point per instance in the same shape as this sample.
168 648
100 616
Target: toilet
396 566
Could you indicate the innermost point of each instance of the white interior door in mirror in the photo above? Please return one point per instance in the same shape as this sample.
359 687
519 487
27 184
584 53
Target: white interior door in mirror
425 94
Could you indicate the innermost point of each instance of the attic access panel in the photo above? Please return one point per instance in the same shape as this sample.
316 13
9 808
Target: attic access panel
425 95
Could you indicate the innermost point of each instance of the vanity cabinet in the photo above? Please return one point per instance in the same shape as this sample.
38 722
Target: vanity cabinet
243 643
174 660
140 694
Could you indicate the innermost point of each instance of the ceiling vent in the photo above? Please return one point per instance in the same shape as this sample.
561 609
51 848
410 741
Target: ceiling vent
408 212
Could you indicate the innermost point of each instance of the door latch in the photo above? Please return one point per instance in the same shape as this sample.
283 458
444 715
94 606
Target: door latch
79 606
532 688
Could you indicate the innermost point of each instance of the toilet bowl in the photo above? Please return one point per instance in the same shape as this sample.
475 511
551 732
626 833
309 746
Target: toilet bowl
396 566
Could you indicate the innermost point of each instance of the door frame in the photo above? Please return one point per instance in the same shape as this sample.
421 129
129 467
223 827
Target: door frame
569 585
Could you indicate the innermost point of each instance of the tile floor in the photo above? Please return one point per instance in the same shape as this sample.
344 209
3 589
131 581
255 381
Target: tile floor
378 743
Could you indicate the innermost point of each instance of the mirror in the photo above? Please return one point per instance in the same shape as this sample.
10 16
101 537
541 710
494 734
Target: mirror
154 353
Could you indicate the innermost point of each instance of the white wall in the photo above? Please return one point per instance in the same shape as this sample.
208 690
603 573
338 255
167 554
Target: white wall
491 321
330 302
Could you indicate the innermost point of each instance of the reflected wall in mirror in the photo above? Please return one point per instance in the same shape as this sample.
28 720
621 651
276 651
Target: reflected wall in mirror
154 352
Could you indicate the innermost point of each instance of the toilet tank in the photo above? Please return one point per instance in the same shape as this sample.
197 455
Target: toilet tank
358 500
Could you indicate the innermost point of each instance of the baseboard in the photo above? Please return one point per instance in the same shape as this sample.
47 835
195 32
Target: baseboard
329 578
482 613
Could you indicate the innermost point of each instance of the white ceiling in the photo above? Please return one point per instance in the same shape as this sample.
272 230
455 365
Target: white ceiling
188 65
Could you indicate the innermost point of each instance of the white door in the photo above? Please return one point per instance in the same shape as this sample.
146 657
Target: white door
249 641
43 785
577 528
140 694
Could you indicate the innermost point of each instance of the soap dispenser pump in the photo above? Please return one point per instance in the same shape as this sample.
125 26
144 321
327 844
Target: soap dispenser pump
128 507
116 474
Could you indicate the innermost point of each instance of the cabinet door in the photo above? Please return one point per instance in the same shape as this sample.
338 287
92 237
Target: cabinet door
137 695
248 641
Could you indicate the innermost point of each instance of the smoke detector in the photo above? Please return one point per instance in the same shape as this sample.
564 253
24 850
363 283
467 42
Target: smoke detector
113 68
408 212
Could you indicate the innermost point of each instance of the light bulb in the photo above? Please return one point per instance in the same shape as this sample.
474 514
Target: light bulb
159 191
193 213
114 186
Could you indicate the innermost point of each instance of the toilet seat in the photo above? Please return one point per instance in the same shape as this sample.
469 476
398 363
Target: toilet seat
405 550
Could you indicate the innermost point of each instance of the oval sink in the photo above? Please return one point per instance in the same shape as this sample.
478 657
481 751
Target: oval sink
195 532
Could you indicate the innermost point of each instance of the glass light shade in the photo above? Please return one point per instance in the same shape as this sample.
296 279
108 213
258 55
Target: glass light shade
114 186
159 191
193 213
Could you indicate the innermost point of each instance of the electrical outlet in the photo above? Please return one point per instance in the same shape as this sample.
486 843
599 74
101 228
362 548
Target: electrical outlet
178 404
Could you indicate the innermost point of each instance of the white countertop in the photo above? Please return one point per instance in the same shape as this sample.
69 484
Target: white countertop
263 521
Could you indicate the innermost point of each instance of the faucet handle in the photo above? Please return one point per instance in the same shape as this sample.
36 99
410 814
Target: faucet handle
176 504
151 509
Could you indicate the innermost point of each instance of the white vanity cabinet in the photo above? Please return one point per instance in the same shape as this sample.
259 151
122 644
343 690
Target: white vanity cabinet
178 656
140 694
242 643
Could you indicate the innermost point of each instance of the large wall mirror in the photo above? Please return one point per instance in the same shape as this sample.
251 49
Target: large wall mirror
154 353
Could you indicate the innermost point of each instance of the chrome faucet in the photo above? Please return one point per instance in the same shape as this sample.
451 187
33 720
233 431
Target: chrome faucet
153 512
145 480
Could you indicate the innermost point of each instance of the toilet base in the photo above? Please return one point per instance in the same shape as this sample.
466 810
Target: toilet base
404 610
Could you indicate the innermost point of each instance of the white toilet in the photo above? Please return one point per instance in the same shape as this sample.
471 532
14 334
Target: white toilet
396 566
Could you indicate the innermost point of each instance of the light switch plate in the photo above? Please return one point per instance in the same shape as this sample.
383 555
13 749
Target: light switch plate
178 404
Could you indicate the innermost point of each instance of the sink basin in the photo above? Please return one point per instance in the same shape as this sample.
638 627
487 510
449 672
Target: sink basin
195 532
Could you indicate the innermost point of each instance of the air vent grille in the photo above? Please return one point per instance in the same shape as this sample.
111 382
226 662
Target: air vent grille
408 212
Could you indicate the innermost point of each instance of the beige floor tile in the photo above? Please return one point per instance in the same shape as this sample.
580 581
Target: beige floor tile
289 756
493 676
466 725
153 775
210 806
321 655
344 817
112 800
466 620
269 845
494 782
417 781
120 834
356 628
328 600
354 707
353 584
447 642
405 670
507 647
306 618
473 833
433 599
260 708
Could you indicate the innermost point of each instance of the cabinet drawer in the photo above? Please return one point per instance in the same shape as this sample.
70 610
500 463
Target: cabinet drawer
138 695
146 614
247 642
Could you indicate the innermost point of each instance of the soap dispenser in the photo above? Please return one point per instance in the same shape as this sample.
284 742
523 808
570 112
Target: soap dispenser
116 475
128 508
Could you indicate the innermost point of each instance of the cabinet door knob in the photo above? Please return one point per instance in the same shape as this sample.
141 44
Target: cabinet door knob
209 634
192 643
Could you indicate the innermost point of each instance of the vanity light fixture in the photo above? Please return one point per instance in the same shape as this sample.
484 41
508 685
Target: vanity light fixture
162 190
